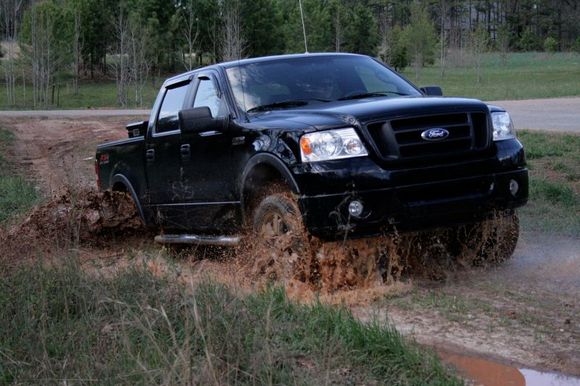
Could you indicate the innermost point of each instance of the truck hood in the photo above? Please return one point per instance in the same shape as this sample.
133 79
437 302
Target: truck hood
320 116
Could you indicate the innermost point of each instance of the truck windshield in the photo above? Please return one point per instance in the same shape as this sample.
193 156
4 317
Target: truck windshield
294 82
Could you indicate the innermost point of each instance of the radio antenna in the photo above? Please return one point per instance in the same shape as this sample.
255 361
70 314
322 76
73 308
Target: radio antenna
303 26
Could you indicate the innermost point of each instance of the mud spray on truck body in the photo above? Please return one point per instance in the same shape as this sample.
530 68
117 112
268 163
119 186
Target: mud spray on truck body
338 145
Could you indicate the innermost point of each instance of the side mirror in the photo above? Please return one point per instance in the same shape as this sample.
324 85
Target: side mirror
199 119
432 90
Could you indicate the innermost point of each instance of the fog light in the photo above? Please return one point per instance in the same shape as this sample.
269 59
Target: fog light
514 187
355 208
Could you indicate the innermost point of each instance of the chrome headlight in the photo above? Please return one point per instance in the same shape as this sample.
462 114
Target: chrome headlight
330 145
503 127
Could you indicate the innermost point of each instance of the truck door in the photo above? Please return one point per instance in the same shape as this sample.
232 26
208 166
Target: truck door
210 170
162 157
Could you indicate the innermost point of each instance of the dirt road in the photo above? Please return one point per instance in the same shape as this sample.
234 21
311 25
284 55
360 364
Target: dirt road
557 114
525 312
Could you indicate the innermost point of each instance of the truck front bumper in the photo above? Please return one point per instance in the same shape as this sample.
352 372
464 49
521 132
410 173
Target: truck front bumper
409 199
415 207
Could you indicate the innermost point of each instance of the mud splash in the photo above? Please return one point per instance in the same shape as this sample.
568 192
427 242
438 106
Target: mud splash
488 373
306 265
72 217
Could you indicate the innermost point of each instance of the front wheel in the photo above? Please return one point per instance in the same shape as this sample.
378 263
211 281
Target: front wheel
281 247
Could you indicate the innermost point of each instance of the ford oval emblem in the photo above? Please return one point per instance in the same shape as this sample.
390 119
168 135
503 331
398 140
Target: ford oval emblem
435 134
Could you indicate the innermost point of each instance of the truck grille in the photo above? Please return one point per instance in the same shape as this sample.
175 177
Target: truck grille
400 139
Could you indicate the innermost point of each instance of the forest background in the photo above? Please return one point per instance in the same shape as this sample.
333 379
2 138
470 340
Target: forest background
105 53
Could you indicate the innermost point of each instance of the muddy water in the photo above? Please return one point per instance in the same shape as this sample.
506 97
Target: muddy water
488 373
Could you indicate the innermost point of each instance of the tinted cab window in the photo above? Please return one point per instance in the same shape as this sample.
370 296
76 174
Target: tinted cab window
172 104
207 96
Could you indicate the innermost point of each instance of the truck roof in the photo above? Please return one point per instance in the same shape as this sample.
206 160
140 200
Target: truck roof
240 62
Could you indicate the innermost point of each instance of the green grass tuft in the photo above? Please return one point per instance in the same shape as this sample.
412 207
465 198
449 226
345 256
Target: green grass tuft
17 194
60 324
554 166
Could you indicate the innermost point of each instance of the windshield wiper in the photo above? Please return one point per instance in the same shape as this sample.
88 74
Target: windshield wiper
283 104
370 94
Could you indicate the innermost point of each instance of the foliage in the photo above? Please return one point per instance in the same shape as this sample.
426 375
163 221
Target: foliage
577 45
396 51
136 328
479 44
550 44
529 41
420 38
170 36
361 33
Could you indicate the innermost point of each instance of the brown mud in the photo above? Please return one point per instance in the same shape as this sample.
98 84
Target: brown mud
82 217
308 266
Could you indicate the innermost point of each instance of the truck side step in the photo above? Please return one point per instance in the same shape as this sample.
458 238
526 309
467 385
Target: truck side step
224 241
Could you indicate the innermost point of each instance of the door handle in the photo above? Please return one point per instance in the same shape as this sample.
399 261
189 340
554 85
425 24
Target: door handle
150 155
185 151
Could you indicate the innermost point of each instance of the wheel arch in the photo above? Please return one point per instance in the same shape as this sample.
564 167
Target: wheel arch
259 170
120 183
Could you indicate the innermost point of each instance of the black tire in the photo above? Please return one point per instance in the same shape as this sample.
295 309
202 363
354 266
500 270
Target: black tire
281 248
491 241
277 215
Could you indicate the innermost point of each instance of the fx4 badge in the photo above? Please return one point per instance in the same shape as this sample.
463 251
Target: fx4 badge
435 134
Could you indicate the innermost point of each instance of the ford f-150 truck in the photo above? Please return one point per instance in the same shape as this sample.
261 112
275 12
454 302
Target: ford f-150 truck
339 141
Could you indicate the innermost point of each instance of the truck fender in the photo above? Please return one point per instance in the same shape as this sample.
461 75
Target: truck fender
119 178
266 159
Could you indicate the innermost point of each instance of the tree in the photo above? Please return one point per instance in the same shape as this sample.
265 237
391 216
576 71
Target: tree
46 40
420 37
121 53
139 58
503 38
479 42
362 32
550 44
10 15
186 21
394 49
262 27
232 41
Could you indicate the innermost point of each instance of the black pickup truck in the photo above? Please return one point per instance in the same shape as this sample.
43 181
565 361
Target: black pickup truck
339 141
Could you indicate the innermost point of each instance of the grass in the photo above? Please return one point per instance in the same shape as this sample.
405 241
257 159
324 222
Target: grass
523 76
17 194
92 95
60 325
554 166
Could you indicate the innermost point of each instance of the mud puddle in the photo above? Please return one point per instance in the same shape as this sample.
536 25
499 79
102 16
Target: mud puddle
485 372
